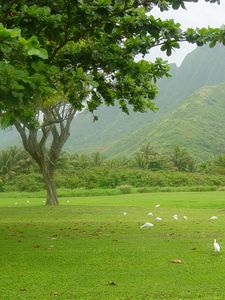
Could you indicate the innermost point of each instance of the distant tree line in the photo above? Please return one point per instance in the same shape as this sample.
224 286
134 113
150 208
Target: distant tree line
15 161
144 168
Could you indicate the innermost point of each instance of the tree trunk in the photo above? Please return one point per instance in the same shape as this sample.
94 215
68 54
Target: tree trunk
52 198
56 126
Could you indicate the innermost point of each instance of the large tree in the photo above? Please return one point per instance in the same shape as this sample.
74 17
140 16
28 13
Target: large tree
60 57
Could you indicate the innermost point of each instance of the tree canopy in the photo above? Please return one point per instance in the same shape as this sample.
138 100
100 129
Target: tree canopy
84 51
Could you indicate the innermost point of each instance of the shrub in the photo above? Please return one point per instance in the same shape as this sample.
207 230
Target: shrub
221 189
70 181
125 189
28 183
144 190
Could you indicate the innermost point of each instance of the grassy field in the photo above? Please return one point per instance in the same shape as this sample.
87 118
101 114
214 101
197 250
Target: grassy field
87 249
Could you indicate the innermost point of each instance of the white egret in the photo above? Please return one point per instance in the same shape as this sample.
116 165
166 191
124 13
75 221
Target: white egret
147 224
157 205
185 217
150 214
213 218
175 217
125 213
158 219
216 246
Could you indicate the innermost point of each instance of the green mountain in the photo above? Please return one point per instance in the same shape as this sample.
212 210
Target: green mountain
202 67
176 122
197 124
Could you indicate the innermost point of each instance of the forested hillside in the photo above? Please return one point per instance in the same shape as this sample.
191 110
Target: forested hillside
198 124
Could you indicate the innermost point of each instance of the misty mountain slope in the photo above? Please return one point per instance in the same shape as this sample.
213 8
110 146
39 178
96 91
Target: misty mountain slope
198 124
203 66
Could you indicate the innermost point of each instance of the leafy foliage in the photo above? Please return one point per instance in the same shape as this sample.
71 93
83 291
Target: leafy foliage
86 50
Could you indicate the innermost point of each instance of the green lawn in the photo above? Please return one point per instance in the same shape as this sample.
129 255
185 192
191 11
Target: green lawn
87 249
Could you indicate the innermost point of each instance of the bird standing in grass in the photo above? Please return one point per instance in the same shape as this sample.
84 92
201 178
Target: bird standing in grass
147 224
216 246
175 217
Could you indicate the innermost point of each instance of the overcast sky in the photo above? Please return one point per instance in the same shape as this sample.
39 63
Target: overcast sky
201 14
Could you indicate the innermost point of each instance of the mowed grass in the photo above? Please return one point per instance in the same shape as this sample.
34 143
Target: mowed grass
87 249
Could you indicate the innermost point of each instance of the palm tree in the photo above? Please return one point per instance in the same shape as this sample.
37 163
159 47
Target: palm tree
96 159
182 160
14 161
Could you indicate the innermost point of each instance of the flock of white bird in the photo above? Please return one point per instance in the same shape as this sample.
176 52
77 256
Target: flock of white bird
175 217
158 219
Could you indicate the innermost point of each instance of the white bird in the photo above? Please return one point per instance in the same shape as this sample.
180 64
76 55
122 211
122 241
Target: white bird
150 214
147 224
175 217
213 218
125 213
185 217
157 205
158 219
216 246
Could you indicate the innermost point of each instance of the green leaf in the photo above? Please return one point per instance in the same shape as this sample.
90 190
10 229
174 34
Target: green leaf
212 44
168 51
4 34
42 53
15 32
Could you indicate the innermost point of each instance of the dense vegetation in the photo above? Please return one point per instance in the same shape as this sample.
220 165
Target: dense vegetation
144 171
